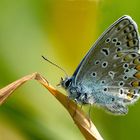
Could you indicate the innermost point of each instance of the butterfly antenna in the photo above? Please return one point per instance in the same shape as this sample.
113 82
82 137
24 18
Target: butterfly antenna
55 65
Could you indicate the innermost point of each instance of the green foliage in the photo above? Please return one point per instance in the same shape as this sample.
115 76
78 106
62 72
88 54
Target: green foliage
63 31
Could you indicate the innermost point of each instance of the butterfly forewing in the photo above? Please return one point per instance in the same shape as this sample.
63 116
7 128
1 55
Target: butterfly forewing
111 69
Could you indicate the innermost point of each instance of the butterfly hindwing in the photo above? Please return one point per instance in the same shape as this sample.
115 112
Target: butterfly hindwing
111 69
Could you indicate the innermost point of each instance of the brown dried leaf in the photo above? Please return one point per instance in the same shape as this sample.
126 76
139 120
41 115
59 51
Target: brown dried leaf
7 91
81 120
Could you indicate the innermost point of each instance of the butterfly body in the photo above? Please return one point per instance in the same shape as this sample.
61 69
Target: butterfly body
109 74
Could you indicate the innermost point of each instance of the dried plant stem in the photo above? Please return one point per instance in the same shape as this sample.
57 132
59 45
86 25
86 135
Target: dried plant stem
81 120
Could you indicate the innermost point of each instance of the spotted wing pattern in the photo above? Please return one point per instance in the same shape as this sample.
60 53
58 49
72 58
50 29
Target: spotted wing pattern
110 72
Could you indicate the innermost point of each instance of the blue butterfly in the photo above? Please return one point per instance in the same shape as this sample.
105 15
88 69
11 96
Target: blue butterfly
109 74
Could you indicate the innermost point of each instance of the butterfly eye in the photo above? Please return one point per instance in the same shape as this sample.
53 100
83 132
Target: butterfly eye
68 83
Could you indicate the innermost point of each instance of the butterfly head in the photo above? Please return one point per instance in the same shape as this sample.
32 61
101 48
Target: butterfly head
65 83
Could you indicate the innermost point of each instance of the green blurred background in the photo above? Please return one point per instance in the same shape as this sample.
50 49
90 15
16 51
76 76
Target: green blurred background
62 30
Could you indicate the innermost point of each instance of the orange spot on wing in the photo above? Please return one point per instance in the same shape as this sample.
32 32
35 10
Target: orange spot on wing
136 61
135 83
138 67
130 96
137 75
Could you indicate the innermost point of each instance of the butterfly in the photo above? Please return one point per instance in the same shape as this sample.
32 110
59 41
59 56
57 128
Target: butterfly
109 74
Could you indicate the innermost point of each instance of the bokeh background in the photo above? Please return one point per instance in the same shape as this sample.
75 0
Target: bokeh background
62 30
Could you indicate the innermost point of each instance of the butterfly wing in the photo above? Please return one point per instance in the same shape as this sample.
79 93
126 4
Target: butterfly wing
110 71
